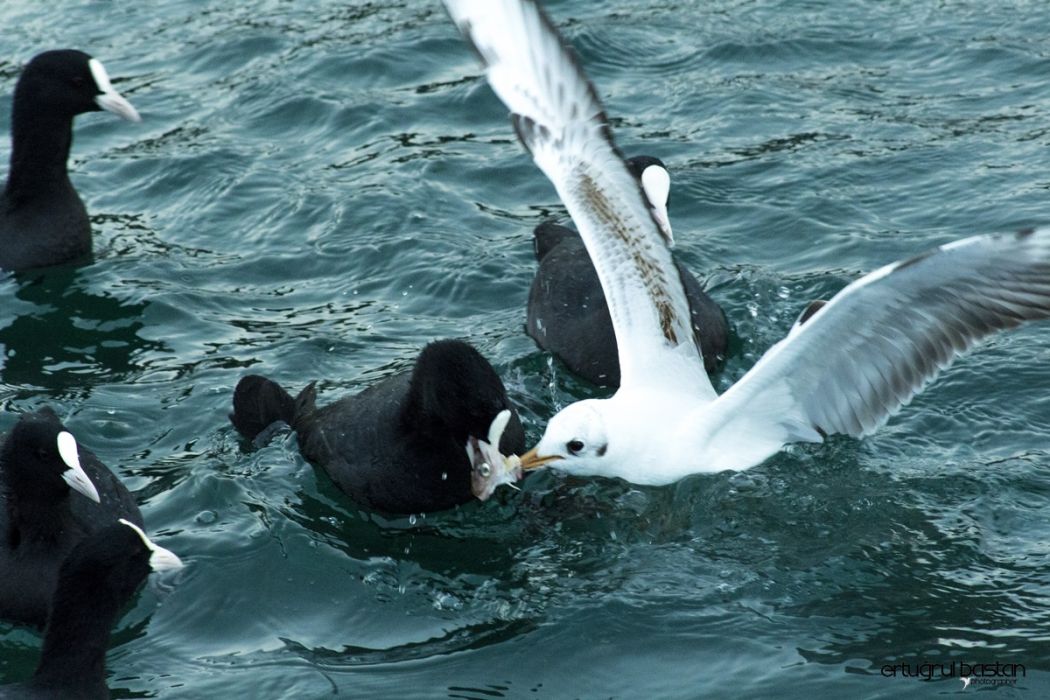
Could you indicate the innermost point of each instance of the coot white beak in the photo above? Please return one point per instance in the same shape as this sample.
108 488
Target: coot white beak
656 182
75 476
161 559
109 99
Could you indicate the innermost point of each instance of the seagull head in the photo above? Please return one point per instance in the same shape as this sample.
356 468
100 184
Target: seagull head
576 440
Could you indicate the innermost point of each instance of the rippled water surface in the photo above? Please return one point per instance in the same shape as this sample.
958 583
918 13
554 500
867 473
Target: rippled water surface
319 188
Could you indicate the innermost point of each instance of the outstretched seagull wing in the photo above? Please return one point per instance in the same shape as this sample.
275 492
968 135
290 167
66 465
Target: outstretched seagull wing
558 117
855 361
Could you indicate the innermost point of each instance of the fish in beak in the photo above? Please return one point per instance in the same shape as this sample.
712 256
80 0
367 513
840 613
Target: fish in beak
489 469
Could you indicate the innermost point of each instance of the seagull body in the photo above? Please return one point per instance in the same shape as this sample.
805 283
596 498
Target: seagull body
845 367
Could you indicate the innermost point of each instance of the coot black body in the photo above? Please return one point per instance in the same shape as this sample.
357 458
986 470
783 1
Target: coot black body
42 218
568 316
401 445
42 517
95 582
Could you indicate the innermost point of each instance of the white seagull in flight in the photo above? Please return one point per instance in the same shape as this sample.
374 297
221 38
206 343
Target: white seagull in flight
846 366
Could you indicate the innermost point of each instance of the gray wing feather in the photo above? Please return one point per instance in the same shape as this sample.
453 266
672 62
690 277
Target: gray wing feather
856 361
559 118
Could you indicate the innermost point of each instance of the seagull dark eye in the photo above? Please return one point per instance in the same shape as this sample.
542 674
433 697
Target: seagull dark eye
574 446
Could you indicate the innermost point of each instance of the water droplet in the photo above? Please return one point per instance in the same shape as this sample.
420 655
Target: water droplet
446 601
206 517
444 476
411 520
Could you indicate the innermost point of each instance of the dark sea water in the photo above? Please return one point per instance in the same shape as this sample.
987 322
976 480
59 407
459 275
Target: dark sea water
319 188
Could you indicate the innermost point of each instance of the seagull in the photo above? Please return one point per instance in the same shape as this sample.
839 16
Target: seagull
567 314
846 365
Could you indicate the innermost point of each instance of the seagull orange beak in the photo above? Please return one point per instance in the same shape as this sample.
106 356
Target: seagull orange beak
532 460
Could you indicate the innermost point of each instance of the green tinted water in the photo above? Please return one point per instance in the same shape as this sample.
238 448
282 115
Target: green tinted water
319 188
